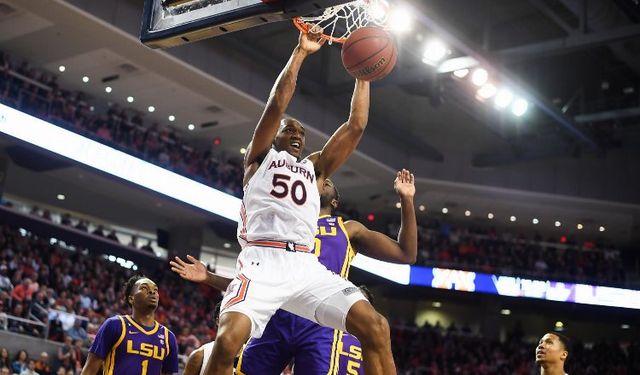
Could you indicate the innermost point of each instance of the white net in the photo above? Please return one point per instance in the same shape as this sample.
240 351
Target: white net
339 21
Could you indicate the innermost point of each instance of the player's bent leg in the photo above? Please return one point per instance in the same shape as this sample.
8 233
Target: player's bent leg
194 363
372 330
233 332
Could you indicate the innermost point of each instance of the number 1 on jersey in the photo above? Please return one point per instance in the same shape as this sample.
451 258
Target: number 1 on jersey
145 364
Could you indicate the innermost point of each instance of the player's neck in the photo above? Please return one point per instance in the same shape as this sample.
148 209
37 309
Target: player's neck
552 370
325 211
146 318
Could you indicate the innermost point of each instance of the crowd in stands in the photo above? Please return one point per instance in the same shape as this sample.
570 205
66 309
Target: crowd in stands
486 250
37 92
36 275
432 350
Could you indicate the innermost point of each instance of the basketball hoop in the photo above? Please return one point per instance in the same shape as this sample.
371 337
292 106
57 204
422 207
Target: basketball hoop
338 22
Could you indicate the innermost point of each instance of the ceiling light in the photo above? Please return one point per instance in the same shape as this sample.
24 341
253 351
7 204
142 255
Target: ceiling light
467 213
377 11
461 73
422 207
535 220
62 68
559 326
400 20
191 126
61 197
601 229
151 108
519 107
487 91
512 218
445 210
172 118
108 89
505 312
243 150
398 204
434 51
625 326
503 98
130 99
558 224
85 79
436 304
226 245
92 108
490 216
579 226
479 77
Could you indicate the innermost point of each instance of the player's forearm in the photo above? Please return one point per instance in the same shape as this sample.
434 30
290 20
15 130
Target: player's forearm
217 282
285 84
408 235
359 114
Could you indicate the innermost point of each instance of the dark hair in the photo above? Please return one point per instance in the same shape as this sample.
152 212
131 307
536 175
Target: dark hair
566 341
367 293
128 287
17 357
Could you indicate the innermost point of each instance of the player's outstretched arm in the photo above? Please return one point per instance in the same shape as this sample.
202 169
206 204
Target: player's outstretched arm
93 365
380 246
196 271
279 98
345 140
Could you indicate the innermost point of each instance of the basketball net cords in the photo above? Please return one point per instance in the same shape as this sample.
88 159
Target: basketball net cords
354 15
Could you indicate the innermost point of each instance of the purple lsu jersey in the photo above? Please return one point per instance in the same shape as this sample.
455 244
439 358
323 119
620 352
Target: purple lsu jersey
129 348
316 350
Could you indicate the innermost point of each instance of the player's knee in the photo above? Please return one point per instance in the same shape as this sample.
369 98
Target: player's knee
378 329
227 346
371 328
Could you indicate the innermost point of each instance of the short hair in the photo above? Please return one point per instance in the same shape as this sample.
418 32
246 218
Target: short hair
128 287
566 341
216 310
367 293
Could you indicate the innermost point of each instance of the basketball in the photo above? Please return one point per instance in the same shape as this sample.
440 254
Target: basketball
369 53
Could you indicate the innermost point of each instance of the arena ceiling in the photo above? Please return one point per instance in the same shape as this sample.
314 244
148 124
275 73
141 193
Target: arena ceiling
573 156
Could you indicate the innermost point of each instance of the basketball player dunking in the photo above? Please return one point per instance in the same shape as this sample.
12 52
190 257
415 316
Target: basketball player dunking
319 350
277 267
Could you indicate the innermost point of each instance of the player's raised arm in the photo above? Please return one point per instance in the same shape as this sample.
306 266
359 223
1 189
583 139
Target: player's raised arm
380 246
196 271
279 98
345 140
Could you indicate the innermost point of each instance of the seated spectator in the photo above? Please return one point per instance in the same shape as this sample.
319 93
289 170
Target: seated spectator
31 368
65 219
22 292
99 231
20 362
147 247
82 225
4 370
5 282
112 236
64 354
42 364
77 332
5 360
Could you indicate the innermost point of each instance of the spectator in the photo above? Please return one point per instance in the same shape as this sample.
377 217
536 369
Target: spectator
99 231
5 282
42 364
113 237
147 247
5 360
64 354
78 358
20 362
31 368
4 370
77 332
23 291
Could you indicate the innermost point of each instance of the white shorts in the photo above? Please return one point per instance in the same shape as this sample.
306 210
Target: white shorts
269 279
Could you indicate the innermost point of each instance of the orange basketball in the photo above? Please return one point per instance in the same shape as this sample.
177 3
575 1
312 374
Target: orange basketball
369 53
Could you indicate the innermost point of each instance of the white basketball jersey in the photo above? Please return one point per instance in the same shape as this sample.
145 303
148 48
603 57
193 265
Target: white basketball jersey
281 201
208 349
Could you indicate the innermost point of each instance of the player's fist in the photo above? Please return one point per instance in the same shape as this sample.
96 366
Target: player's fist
311 41
404 184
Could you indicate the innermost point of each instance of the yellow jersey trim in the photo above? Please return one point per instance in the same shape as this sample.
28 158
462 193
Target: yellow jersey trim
166 341
344 272
239 365
138 326
333 363
110 362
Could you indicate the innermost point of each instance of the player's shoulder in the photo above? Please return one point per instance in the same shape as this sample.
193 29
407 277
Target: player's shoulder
115 320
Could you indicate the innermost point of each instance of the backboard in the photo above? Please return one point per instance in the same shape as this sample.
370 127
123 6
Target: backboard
168 23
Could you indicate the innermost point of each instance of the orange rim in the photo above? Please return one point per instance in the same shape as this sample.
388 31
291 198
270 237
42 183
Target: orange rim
304 27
